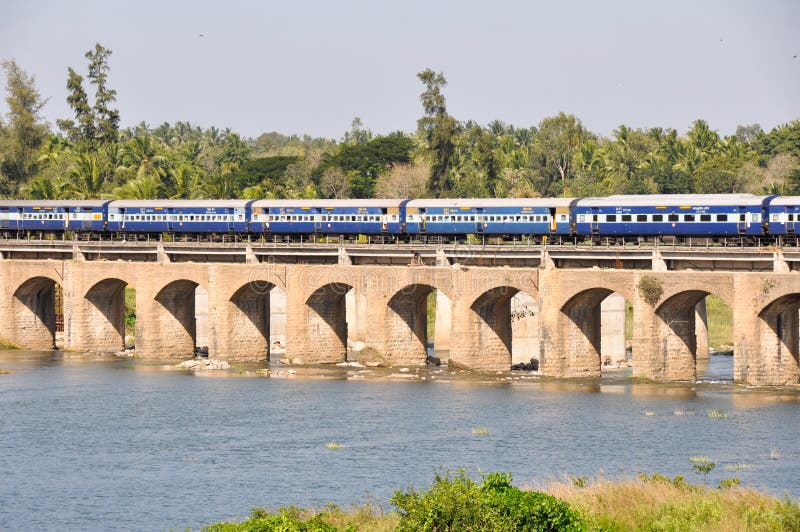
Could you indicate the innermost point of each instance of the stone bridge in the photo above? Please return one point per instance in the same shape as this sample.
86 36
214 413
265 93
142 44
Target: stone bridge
394 298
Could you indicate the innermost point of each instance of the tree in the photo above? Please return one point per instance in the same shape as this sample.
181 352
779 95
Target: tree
94 125
358 134
403 181
106 118
24 133
438 129
557 140
334 183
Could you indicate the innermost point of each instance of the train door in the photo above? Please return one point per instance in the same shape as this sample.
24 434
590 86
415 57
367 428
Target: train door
384 221
422 221
594 225
5 218
742 221
791 219
231 215
66 214
553 221
479 222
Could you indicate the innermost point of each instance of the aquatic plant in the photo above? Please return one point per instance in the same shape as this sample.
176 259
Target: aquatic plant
717 414
480 431
649 413
332 445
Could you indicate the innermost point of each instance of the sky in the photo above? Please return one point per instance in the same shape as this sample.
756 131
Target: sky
310 67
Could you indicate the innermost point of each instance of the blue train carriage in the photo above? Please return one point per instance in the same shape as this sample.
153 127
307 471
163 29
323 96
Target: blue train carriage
179 216
707 215
52 215
333 217
783 216
496 216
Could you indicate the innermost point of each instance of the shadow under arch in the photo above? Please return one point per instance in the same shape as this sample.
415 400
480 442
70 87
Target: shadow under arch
677 334
326 321
105 328
780 341
35 313
178 332
250 330
406 327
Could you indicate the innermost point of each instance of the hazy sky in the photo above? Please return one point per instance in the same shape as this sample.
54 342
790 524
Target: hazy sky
310 67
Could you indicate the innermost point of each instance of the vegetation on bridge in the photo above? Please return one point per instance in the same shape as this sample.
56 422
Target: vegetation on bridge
90 155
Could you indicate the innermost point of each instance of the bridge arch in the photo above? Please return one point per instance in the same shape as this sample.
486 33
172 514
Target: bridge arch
34 313
245 333
589 341
676 332
326 322
483 332
406 325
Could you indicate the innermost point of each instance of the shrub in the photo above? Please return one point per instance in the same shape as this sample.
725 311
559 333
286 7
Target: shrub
458 503
650 290
288 519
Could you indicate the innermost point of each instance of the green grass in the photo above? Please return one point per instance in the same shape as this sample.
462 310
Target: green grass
130 310
5 344
720 322
431 314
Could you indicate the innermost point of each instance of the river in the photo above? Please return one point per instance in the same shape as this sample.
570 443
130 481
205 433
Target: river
92 442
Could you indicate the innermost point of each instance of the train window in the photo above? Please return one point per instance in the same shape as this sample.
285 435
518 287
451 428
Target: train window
755 217
741 217
774 217
673 218
658 217
705 217
688 217
562 217
581 218
641 217
611 217
791 217
471 218
722 217
625 218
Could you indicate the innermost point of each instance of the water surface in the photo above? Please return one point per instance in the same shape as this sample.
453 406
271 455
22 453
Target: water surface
106 443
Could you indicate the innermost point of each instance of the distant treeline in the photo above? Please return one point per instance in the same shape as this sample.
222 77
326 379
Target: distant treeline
89 156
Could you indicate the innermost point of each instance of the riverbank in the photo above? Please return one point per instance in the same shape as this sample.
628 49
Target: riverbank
650 502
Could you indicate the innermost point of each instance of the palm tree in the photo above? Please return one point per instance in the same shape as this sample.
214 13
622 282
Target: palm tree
142 187
42 187
85 176
142 154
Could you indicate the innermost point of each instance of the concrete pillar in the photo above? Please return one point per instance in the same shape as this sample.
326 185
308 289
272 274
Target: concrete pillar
779 264
524 329
612 329
277 320
701 330
658 263
442 324
358 321
201 317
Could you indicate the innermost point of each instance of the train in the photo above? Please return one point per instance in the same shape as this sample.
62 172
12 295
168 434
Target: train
747 217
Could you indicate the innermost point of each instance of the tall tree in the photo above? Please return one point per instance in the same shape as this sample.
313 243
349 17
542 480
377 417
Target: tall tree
24 132
438 129
106 117
81 131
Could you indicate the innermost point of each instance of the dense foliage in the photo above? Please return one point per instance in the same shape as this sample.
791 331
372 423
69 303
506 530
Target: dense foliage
89 156
459 503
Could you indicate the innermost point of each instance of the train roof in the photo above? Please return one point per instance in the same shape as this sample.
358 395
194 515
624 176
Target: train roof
53 203
186 204
329 203
786 200
673 200
491 202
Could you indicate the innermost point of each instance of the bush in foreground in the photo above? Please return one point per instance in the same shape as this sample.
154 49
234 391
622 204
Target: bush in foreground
459 503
